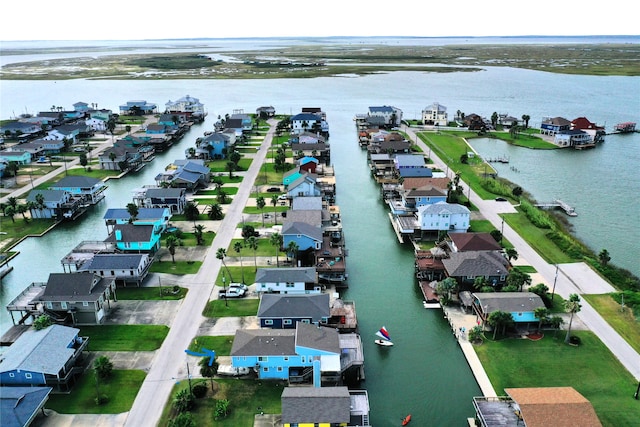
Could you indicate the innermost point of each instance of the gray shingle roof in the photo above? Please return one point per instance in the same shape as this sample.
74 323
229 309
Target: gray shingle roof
317 337
444 207
49 195
510 302
316 405
143 213
304 229
476 263
311 217
114 261
131 233
264 342
291 274
81 286
43 351
73 181
315 306
165 192
18 405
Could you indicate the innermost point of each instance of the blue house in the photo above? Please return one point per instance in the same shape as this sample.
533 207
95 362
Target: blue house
215 146
44 357
135 238
19 406
417 197
20 157
157 217
279 311
306 354
143 107
54 204
521 305
552 126
305 122
90 190
306 236
292 175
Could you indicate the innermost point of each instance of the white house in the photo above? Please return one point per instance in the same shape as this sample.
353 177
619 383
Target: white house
444 216
97 125
188 105
304 186
435 115
392 116
293 280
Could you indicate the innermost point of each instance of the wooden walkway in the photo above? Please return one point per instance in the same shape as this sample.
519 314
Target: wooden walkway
558 204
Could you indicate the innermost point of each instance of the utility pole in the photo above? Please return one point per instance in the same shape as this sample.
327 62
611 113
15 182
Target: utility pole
553 292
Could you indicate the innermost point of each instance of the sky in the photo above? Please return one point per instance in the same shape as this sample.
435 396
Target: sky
136 20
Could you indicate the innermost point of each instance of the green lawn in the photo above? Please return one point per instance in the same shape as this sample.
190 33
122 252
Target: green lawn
121 390
189 239
124 337
221 344
589 368
247 272
19 228
150 293
527 140
623 321
231 308
179 267
246 399
95 172
265 248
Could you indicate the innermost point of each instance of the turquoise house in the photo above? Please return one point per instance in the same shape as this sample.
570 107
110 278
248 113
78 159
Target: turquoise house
131 238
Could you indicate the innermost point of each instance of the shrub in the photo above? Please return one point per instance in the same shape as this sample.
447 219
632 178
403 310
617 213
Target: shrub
183 401
575 340
42 322
199 390
102 399
184 419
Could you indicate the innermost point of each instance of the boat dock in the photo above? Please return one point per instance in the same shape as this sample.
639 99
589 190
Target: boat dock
558 204
626 127
502 159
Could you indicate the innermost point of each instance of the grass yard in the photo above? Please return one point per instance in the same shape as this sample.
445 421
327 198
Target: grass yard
125 337
189 239
152 293
179 267
94 173
235 308
246 399
221 344
622 320
245 274
265 248
589 368
19 228
121 389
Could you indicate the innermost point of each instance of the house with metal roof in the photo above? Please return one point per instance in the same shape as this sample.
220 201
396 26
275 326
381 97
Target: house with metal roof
304 185
46 357
290 280
330 406
282 311
435 115
20 406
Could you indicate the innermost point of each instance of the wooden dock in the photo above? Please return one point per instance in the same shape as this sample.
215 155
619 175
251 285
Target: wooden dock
558 204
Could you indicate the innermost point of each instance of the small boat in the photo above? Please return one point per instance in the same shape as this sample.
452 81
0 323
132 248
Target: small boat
385 338
406 420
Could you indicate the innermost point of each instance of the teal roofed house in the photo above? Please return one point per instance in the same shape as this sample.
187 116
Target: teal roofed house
291 176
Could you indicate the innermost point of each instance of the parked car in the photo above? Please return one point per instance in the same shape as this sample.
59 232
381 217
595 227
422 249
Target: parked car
228 370
500 199
283 197
242 286
232 293
273 190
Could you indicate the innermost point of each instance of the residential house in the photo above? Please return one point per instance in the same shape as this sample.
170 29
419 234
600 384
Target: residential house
46 357
289 280
52 204
135 108
246 120
20 406
389 116
536 407
390 144
521 305
507 121
157 217
444 216
306 122
324 406
265 112
282 311
81 107
572 138
554 125
468 242
597 133
404 162
123 268
76 130
307 354
234 126
35 149
120 157
17 129
158 197
292 175
435 115
189 174
465 267
135 238
304 186
383 166
190 106
20 157
306 236
308 164
102 114
89 190
474 122
216 145
49 146
412 199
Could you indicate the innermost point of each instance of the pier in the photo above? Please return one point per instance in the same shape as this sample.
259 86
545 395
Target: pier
502 159
558 204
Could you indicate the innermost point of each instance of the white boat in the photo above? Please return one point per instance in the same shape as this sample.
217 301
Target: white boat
385 339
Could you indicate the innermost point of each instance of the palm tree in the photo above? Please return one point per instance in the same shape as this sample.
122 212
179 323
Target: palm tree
237 247
541 313
22 210
172 242
39 202
499 318
277 240
525 119
221 254
132 209
10 211
512 254
572 305
292 250
260 203
231 166
215 212
252 243
198 230
191 212
208 370
604 257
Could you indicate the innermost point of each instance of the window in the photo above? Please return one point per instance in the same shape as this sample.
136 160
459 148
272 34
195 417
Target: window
28 376
305 321
112 273
289 285
85 303
63 304
268 322
303 359
12 375
286 358
287 321
49 305
265 369
263 359
279 369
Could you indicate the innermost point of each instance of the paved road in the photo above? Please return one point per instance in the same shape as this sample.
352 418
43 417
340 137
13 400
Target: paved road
575 278
156 389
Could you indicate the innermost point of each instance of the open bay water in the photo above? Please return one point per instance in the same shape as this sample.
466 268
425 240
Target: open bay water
425 373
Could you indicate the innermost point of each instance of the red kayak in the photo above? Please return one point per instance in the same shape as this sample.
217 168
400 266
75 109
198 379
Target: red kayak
406 420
